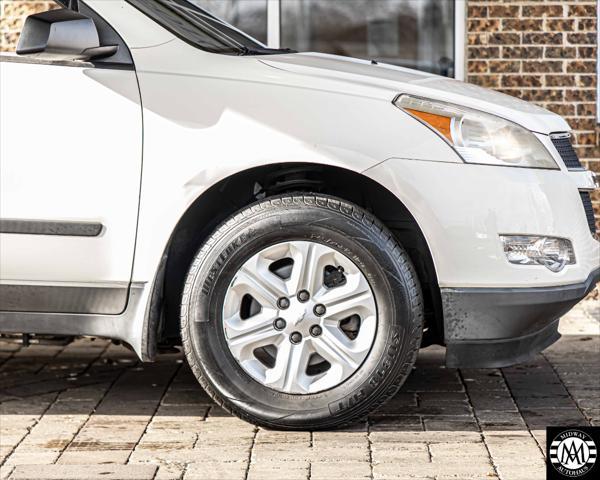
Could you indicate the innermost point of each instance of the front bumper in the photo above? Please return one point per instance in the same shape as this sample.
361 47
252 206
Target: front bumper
463 209
497 327
496 313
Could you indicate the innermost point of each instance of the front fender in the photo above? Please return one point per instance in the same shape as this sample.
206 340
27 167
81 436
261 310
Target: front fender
207 117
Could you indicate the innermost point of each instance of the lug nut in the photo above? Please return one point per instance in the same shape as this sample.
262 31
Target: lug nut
316 330
303 296
279 324
319 310
295 337
283 303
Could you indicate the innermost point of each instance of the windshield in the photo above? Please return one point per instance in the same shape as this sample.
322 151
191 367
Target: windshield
188 21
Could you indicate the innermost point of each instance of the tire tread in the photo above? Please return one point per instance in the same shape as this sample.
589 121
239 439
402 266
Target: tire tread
349 210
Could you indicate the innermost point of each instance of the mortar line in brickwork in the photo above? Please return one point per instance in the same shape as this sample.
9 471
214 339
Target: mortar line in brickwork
9 356
108 389
158 404
370 449
196 439
422 422
427 444
10 469
474 413
52 403
98 357
541 449
37 420
64 375
29 429
311 444
250 453
44 365
566 388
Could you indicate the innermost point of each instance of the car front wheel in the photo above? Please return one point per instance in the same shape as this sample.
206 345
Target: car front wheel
301 312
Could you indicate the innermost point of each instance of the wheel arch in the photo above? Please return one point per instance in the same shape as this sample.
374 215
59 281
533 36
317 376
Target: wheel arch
218 202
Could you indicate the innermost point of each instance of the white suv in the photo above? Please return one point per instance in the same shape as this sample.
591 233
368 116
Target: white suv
301 223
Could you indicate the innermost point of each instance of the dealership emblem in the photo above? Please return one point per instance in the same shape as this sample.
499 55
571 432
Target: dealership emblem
573 453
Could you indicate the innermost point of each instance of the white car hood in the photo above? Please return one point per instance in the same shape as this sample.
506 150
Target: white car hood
403 80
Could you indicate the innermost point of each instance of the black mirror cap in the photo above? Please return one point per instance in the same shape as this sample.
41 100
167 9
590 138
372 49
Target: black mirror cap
61 35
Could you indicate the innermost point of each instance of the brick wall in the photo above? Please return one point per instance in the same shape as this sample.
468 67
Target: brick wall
544 52
12 15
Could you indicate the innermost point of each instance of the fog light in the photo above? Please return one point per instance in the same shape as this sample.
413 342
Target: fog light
551 252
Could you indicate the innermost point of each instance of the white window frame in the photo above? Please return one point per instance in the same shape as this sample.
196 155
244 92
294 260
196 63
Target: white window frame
274 23
460 40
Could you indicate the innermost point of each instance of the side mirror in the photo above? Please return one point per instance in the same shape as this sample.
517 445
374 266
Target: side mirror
62 35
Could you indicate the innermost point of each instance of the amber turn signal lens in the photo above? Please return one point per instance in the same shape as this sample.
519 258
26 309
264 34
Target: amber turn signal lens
437 122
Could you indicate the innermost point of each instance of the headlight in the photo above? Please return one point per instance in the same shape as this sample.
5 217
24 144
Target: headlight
479 137
551 252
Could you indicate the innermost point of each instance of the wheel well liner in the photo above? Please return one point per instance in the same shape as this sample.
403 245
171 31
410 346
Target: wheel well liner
229 195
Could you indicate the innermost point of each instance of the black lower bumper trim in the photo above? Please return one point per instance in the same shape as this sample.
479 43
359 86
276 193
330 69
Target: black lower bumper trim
496 327
500 353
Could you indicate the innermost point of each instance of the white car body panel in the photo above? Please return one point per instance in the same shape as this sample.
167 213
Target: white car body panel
404 80
83 164
294 133
462 230
210 125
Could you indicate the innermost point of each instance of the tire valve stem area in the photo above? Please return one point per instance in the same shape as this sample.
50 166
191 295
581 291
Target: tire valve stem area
334 276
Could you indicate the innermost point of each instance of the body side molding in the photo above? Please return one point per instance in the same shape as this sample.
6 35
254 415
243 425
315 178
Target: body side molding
50 227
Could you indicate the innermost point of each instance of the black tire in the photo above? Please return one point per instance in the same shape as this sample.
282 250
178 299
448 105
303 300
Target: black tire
345 227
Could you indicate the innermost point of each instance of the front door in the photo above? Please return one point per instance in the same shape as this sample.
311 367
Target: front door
70 168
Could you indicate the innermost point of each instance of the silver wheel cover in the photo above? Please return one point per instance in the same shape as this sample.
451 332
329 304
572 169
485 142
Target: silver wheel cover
332 346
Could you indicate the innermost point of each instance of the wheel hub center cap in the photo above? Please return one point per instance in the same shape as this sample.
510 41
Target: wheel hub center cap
295 314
